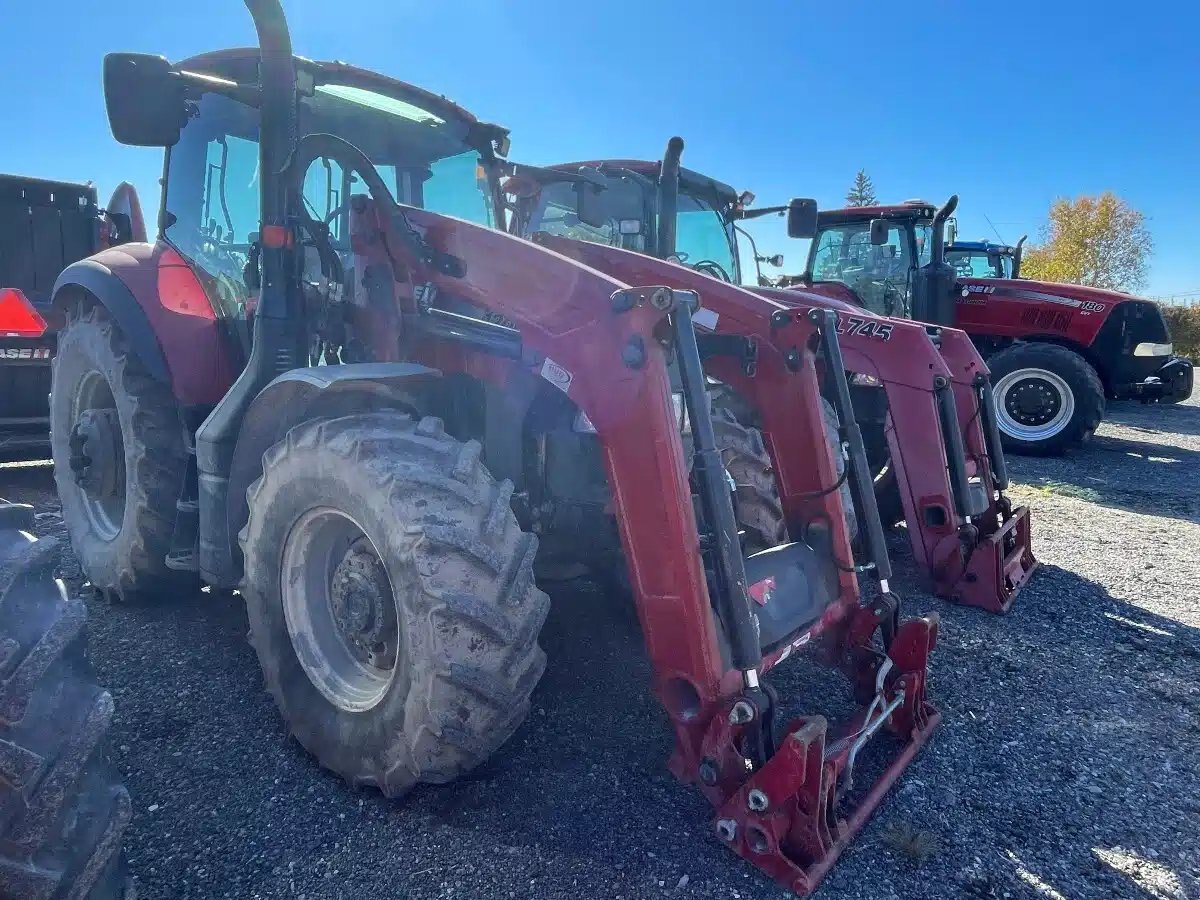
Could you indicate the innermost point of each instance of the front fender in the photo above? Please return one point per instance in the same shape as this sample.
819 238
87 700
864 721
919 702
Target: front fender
311 393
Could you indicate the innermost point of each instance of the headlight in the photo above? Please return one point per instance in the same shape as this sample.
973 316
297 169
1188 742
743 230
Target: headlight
1149 349
582 424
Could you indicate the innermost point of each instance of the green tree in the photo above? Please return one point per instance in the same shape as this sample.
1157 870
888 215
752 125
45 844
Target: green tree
1098 241
863 191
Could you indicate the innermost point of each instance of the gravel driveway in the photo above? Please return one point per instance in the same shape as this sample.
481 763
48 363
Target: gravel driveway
1068 764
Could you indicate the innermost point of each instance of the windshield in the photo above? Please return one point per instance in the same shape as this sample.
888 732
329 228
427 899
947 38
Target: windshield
880 275
211 206
980 263
621 216
704 240
617 213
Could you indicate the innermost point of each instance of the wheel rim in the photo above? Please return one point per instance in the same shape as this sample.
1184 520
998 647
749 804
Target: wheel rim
340 609
97 457
1034 404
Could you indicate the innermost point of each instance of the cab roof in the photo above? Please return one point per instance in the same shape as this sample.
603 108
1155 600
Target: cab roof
689 178
910 209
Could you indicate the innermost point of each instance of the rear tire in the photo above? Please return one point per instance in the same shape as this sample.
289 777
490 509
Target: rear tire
120 531
451 591
758 507
63 810
1049 399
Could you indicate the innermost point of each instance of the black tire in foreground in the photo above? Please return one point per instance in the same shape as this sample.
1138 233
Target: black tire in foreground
391 598
63 810
119 459
1048 398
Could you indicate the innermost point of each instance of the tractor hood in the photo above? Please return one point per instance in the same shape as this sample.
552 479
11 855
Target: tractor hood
813 296
1075 295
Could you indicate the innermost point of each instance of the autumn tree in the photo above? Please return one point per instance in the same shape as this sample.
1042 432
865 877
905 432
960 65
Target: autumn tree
863 191
1097 241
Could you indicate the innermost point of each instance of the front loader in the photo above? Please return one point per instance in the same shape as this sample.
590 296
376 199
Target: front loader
336 383
924 406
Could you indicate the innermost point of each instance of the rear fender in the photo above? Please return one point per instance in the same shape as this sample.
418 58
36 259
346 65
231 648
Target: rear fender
153 294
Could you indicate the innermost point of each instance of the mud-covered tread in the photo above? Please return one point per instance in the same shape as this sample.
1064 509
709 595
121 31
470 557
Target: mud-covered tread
471 620
759 509
133 565
63 810
1076 371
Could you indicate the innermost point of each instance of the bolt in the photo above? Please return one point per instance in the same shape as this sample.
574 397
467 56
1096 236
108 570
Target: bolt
741 713
661 299
708 771
757 801
727 830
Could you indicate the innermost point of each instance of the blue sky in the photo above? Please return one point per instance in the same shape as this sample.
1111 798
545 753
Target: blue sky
1009 107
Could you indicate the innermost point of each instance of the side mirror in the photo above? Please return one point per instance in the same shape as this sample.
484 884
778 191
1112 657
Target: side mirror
994 261
588 206
776 260
801 218
951 231
146 99
879 232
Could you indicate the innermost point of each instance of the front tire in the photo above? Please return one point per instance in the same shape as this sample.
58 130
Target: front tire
1049 399
119 459
63 810
391 598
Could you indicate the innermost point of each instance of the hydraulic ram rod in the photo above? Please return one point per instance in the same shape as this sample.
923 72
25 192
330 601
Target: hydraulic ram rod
860 476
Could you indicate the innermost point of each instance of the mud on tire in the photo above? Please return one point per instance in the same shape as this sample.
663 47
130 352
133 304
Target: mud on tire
63 809
460 571
758 507
124 555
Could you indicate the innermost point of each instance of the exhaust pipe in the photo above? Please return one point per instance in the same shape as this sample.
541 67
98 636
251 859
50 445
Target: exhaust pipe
938 250
279 341
1018 250
668 197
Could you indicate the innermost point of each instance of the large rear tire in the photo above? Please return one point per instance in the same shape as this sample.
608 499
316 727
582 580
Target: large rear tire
1048 398
391 598
63 810
758 507
117 439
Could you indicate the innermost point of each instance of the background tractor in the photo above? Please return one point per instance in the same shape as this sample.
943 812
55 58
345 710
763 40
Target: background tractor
1057 352
337 384
931 452
44 227
983 259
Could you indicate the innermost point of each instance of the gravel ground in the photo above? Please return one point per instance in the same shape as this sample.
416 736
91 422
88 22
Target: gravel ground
1067 765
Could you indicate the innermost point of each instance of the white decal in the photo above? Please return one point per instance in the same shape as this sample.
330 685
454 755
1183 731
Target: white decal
706 319
557 375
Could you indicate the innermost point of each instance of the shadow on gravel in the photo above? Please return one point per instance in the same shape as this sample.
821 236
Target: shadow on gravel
1139 476
1073 729
1156 418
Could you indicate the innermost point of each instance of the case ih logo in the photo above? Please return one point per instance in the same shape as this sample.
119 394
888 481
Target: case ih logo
24 352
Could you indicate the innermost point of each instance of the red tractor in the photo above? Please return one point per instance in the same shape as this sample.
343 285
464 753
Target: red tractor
1057 352
337 384
932 452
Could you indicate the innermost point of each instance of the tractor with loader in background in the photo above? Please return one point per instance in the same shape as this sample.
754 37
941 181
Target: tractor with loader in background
334 382
1057 352
932 451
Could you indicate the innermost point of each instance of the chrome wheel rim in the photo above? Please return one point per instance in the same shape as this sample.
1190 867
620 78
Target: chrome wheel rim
1033 404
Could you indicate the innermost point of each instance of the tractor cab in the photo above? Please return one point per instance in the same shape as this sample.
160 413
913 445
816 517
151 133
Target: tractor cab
984 259
889 259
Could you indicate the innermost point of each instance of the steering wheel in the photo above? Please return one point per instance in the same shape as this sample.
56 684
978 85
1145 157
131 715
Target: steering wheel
713 269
